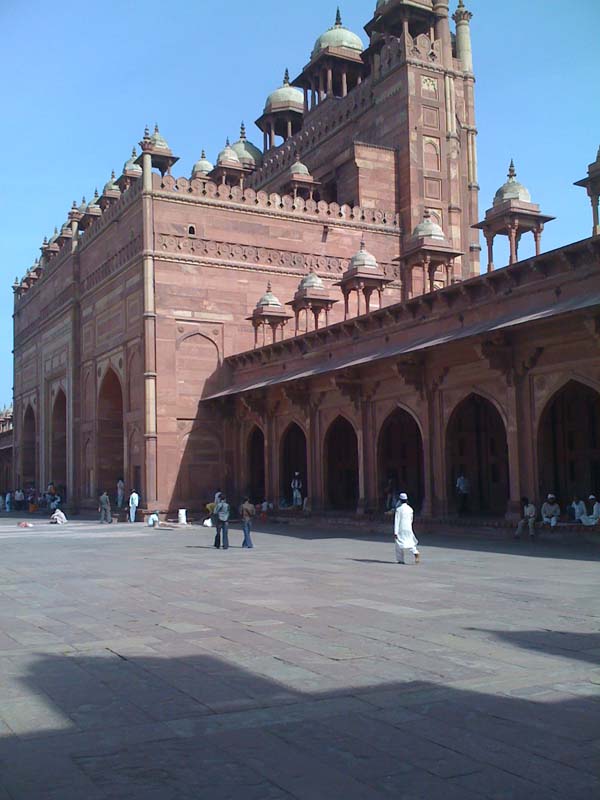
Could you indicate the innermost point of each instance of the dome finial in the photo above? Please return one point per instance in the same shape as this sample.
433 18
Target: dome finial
203 154
512 172
338 18
156 128
286 77
146 132
363 245
269 286
242 130
227 143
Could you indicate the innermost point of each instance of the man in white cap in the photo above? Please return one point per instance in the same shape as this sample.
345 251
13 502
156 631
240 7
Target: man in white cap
403 530
592 519
551 511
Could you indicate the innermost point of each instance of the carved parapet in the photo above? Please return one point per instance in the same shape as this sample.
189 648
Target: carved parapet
273 202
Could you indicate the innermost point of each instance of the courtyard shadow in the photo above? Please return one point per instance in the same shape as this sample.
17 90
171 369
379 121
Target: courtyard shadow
121 726
580 646
572 550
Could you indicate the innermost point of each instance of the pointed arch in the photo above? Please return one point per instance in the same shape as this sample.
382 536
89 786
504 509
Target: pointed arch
29 449
293 458
110 447
340 451
477 447
58 442
400 458
255 464
568 442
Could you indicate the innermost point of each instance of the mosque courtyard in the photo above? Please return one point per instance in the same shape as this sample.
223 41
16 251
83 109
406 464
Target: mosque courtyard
139 664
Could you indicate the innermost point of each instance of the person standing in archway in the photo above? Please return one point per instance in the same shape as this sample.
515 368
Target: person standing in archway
120 493
463 488
297 491
403 530
134 501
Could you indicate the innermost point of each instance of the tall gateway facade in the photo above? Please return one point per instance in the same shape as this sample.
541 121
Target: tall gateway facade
314 305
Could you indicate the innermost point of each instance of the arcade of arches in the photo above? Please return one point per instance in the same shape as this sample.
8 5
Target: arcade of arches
350 472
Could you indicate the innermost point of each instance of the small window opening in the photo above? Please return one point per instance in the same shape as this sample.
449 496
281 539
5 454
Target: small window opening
192 230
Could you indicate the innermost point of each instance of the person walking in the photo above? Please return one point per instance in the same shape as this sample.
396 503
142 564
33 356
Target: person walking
528 518
8 500
222 514
247 512
403 530
105 509
134 501
297 491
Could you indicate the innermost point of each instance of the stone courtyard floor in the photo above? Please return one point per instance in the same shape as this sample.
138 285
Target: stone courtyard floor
146 665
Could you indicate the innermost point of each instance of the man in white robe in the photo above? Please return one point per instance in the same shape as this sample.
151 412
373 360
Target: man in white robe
134 501
403 530
594 518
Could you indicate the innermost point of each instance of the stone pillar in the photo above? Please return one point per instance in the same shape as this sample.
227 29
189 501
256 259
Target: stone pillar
489 238
464 50
514 465
315 457
344 82
537 235
289 129
329 81
321 88
442 30
150 489
369 454
512 238
305 100
595 215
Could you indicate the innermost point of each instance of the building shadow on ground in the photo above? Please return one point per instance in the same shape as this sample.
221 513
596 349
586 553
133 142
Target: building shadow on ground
120 726
572 548
579 646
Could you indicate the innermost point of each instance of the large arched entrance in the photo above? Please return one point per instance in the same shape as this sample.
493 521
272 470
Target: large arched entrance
569 443
341 465
29 445
110 447
256 465
400 458
58 443
293 459
476 446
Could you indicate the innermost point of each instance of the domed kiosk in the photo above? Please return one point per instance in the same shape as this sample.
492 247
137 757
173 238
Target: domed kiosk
282 115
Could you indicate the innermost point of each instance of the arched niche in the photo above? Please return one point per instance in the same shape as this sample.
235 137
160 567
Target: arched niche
400 458
477 447
341 465
293 459
58 442
255 462
110 450
569 443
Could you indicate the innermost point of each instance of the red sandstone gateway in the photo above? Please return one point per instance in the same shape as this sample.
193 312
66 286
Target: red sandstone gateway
136 344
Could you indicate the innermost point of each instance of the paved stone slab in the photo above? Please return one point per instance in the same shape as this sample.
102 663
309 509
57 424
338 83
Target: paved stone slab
145 664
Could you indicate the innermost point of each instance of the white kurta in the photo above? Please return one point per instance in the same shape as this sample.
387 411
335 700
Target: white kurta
403 530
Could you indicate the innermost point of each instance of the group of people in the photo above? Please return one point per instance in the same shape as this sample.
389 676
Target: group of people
105 506
577 511
31 500
220 513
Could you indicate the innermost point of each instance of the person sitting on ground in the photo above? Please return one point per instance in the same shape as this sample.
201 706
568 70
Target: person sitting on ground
153 520
58 518
594 517
551 511
579 509
528 518
55 504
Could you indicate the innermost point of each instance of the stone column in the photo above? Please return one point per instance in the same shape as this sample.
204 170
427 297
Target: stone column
289 129
464 50
537 235
150 489
329 81
344 82
489 238
512 237
442 30
305 100
595 215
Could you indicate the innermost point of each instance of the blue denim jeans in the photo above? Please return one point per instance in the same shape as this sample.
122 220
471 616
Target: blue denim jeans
247 527
224 528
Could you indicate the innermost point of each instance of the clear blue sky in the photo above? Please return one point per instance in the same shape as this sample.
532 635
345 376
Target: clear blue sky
80 81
